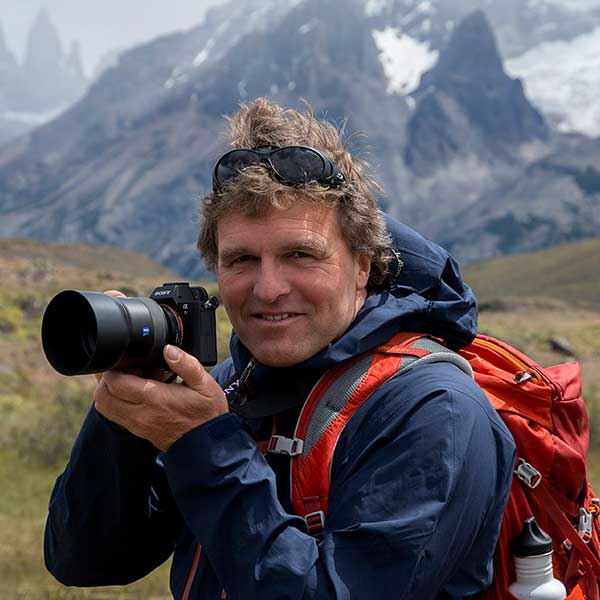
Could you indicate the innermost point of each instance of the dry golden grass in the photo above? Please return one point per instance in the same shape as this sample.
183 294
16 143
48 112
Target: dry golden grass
567 273
40 411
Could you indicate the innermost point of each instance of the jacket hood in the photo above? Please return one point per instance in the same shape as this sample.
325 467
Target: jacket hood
427 295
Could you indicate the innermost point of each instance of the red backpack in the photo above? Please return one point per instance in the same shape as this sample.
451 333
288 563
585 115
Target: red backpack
542 408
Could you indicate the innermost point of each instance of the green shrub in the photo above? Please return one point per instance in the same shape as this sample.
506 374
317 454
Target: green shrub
11 317
43 431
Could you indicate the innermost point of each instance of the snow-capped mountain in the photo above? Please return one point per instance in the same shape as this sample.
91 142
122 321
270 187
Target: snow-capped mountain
552 45
135 153
563 79
452 137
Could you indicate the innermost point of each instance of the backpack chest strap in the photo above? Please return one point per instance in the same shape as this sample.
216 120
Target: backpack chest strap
330 405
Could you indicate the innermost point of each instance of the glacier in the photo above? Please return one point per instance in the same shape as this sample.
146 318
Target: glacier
562 79
403 58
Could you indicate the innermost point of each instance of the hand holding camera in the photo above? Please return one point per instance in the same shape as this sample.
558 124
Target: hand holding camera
174 329
159 412
91 332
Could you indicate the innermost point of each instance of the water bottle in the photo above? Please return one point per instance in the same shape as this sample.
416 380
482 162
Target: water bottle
532 551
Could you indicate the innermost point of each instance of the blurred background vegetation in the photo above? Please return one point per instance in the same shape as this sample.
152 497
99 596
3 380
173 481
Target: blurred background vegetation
545 304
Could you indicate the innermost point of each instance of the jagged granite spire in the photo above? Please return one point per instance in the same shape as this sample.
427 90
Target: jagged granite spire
44 48
50 78
73 61
5 54
467 104
471 51
9 74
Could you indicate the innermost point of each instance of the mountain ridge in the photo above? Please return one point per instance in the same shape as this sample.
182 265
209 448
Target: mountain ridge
566 273
136 152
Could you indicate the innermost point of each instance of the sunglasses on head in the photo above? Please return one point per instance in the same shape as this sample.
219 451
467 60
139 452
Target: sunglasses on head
291 165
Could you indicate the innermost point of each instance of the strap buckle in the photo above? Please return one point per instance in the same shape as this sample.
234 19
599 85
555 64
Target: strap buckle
528 474
584 529
282 445
315 522
524 376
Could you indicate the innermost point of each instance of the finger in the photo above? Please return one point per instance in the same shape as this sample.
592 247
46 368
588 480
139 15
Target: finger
157 374
127 387
187 367
136 371
115 294
115 409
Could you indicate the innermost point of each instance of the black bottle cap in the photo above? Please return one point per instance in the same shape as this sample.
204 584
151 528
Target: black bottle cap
533 541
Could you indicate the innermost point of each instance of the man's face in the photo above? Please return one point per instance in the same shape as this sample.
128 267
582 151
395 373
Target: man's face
288 280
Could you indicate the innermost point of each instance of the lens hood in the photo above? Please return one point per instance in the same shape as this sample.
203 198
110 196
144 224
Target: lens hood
90 332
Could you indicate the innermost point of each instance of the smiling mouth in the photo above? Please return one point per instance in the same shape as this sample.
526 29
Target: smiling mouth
277 317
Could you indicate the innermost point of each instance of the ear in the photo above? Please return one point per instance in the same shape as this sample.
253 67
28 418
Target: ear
363 270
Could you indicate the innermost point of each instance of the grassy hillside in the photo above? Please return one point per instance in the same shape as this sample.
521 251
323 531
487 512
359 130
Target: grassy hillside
41 411
568 273
103 260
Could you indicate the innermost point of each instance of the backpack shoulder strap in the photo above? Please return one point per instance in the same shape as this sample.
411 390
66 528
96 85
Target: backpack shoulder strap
333 400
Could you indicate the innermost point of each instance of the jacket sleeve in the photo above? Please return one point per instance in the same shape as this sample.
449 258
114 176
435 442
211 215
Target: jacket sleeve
418 490
102 528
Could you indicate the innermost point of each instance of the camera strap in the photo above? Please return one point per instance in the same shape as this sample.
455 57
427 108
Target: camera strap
235 389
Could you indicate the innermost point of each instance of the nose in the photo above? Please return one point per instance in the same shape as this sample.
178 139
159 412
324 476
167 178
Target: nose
270 283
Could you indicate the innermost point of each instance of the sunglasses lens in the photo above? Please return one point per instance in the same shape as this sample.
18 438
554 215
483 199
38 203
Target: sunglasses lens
233 163
297 165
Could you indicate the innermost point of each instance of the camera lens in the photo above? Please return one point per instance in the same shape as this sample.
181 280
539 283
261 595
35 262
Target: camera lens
88 342
90 332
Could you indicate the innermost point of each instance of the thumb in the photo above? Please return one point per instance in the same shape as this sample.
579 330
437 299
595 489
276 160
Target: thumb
186 366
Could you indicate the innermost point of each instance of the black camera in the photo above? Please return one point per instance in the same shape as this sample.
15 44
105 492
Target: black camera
90 332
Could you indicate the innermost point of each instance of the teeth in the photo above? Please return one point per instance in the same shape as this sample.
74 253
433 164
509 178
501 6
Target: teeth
276 317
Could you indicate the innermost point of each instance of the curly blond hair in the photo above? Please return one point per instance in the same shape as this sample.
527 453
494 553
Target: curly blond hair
254 192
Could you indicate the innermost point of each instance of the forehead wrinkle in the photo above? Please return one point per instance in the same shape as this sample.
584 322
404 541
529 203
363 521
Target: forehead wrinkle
307 244
277 231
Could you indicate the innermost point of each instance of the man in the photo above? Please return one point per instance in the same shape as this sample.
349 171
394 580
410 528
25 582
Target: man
421 472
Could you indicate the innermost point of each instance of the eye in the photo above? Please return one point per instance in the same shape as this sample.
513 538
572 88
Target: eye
242 259
236 260
299 254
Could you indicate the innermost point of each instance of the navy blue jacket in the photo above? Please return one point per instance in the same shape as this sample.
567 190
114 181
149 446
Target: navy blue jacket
420 476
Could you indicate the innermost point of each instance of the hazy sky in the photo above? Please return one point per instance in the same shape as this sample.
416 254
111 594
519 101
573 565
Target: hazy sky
102 25
99 25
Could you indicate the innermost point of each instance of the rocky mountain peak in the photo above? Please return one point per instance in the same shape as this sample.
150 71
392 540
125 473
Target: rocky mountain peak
301 56
9 72
50 78
468 106
3 47
7 59
471 51
73 60
125 164
43 44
